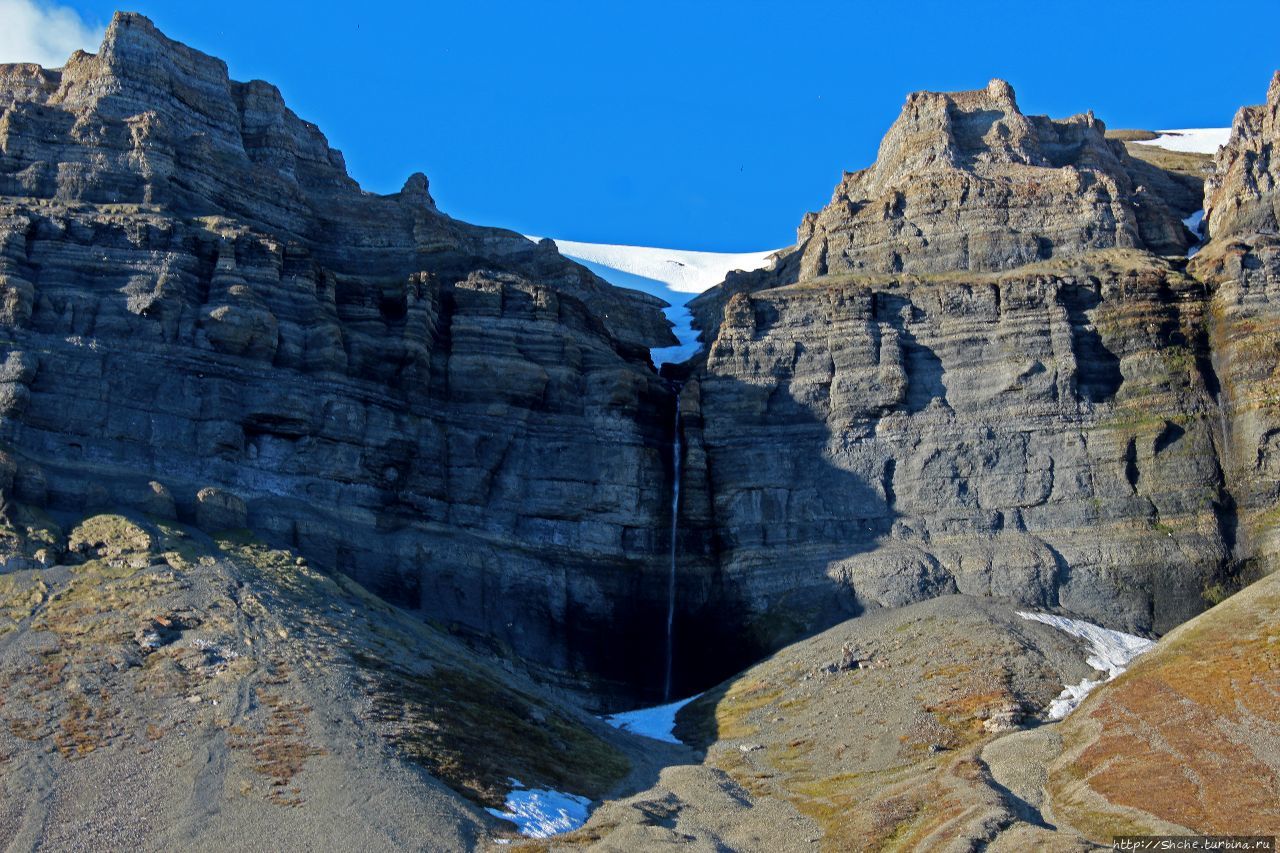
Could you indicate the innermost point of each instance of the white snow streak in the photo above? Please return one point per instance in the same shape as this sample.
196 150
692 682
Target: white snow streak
674 275
1195 140
1110 651
658 722
543 812
1195 224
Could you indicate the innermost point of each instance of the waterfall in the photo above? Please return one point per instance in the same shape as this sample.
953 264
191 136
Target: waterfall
676 452
1222 418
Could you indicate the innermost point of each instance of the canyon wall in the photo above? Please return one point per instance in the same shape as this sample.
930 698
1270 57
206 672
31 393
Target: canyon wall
202 316
986 368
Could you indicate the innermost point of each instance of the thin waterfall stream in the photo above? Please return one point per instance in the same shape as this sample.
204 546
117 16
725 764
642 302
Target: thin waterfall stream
676 452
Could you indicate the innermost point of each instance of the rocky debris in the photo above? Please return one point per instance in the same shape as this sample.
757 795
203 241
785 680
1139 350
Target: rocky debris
217 510
206 319
1007 717
885 755
178 691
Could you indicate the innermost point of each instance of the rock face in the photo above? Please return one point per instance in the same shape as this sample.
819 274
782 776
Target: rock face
965 181
983 369
917 400
1044 435
199 304
1241 195
1241 267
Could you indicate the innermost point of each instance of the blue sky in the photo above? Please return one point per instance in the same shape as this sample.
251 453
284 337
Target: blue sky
696 125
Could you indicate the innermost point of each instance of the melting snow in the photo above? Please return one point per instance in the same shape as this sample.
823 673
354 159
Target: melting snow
543 812
1194 224
1198 140
658 723
674 275
1110 651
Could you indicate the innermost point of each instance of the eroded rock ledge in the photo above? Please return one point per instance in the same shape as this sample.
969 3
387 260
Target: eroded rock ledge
203 315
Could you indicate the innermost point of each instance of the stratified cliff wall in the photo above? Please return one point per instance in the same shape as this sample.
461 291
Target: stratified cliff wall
202 315
1241 268
986 367
983 369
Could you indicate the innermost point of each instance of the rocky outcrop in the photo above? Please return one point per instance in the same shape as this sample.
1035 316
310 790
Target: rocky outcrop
965 181
1241 195
1240 266
199 304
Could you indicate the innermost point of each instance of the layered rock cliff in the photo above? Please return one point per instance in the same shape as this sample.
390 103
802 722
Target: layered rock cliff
986 368
1240 266
204 317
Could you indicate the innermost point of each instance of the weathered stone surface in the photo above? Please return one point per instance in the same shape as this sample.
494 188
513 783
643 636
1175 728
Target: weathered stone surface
1043 435
965 181
194 293
217 510
1241 195
879 421
1240 266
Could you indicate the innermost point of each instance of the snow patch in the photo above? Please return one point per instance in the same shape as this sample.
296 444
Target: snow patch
658 722
542 812
1195 224
1110 652
1193 140
673 275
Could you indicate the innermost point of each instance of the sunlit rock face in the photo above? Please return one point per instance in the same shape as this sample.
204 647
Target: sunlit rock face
965 181
1241 268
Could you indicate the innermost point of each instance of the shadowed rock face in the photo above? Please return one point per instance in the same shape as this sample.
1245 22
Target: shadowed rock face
1043 435
196 297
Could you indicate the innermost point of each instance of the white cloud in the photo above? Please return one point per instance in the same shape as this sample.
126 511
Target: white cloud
34 31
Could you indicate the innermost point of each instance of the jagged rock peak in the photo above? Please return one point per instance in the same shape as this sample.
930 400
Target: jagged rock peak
1241 196
966 181
417 191
150 123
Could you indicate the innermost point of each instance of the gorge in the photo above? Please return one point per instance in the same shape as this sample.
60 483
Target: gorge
428 475
1010 398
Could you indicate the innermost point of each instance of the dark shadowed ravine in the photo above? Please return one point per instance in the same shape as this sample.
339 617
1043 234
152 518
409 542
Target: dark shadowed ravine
330 519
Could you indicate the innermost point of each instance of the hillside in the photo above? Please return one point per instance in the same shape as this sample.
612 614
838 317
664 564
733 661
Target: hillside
164 687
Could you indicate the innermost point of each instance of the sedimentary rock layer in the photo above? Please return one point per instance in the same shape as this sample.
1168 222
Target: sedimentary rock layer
887 422
204 316
1044 435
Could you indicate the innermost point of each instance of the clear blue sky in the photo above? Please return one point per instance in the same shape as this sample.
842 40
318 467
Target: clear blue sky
697 125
